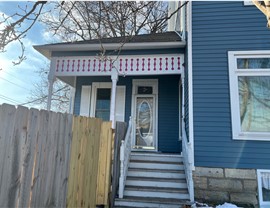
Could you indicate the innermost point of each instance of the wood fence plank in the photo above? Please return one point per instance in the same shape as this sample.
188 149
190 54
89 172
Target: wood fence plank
104 173
108 131
88 170
44 158
72 165
18 139
28 158
72 180
66 159
81 161
38 166
8 114
52 165
59 162
95 136
51 150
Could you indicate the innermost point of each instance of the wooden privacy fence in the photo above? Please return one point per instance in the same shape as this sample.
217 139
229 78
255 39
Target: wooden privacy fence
90 165
50 159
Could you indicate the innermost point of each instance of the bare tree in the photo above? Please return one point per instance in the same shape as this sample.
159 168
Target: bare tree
90 20
13 29
83 20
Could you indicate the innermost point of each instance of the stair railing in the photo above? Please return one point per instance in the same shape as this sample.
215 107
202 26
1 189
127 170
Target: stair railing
125 151
187 151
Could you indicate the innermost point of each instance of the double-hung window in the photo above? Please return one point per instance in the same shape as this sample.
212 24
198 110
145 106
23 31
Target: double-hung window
249 73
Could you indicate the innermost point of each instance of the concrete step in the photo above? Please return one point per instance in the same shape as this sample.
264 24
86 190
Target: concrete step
156 157
156 173
150 202
155 165
156 192
156 182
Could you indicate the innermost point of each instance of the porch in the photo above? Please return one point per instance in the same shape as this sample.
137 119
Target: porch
145 90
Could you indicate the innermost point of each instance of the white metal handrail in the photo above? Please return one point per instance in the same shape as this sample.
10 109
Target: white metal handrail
125 150
187 155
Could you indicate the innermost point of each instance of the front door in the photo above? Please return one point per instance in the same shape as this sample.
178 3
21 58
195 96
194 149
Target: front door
145 115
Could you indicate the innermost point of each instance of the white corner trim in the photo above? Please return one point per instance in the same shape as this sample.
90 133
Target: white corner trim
234 73
190 82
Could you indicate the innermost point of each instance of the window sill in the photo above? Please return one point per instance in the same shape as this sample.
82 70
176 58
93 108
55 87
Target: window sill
252 136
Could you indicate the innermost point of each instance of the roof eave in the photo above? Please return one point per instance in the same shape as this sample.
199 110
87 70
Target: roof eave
47 50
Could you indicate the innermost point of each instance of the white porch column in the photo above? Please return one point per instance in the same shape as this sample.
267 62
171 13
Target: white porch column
72 99
114 78
50 92
51 80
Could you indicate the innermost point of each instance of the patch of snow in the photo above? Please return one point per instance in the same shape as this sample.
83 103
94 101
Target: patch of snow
227 205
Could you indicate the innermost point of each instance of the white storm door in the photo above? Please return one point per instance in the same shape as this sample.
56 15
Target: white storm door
145 122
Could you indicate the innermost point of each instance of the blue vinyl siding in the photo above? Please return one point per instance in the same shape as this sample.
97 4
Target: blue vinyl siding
219 27
168 106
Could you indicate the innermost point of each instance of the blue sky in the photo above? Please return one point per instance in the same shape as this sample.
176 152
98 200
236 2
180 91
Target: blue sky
17 82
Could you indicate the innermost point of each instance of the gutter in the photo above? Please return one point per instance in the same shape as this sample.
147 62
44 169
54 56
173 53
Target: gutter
47 50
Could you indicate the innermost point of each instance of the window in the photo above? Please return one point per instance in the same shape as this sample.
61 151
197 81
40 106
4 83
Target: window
248 3
99 104
103 104
144 90
264 187
250 94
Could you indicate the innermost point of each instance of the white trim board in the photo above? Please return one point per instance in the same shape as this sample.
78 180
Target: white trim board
190 82
85 100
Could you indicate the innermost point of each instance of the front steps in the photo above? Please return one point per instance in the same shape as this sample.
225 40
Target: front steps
155 180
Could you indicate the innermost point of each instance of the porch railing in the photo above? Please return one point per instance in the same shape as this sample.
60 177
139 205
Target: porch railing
187 155
125 151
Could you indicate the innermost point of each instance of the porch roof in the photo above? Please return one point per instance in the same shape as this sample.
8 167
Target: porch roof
145 41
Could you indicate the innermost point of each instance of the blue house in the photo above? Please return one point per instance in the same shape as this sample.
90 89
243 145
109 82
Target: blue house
196 99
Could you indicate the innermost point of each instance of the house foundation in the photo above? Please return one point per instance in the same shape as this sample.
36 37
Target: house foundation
219 185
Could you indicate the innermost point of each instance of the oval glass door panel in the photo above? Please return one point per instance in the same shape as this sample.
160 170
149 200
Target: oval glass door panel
144 122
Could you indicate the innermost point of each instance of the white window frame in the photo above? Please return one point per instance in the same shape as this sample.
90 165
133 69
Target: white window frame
234 95
100 85
263 204
95 86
